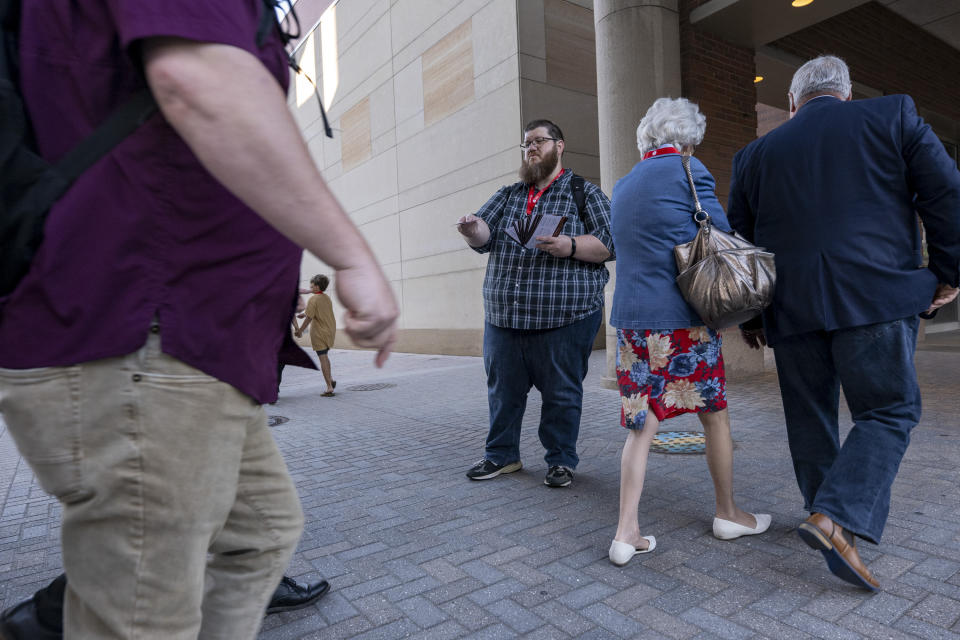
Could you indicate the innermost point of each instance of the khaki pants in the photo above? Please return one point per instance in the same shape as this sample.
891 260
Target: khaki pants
157 465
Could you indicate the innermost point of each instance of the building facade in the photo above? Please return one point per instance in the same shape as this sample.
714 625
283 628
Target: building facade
428 99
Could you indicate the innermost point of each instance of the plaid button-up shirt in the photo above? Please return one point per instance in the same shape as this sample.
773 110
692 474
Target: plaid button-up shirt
530 289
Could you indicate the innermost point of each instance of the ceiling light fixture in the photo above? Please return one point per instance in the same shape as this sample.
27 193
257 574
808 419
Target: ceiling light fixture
758 80
801 3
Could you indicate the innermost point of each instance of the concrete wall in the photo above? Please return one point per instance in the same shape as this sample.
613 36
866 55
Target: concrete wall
558 76
424 98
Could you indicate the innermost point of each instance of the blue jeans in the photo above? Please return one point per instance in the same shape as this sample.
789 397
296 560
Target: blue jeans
555 362
874 364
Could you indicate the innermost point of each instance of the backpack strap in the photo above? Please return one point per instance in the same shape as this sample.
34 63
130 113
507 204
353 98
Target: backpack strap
122 122
577 190
579 195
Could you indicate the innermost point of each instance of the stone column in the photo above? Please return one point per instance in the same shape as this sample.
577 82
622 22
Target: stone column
638 61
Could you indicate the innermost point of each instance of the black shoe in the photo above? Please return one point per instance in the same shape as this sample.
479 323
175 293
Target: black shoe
21 622
558 476
291 596
484 470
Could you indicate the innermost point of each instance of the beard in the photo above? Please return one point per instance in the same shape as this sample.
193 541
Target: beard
532 173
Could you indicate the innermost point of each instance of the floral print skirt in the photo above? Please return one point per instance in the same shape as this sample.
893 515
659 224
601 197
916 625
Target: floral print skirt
669 372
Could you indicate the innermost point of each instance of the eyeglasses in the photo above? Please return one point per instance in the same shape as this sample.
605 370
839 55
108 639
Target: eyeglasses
536 142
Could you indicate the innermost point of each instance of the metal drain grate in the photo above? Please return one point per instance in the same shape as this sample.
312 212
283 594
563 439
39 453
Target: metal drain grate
273 421
679 442
376 386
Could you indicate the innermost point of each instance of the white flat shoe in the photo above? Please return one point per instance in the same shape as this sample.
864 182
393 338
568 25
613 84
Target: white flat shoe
621 552
727 530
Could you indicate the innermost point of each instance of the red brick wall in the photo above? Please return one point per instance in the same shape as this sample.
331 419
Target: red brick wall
719 77
888 53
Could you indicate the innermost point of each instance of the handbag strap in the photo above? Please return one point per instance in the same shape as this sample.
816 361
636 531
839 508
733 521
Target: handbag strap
700 216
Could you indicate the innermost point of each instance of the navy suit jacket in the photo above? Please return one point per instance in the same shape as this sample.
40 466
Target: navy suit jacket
834 193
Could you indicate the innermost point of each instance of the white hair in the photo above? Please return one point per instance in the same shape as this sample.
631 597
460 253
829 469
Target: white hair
826 74
675 121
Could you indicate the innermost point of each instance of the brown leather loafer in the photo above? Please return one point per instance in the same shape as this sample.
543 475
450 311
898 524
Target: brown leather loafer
826 536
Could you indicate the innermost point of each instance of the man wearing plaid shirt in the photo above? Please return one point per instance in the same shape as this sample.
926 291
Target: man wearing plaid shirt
543 306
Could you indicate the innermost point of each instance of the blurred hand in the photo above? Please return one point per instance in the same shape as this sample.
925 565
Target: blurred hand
945 294
372 312
468 225
754 338
559 247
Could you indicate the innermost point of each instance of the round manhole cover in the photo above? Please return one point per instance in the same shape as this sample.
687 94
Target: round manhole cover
273 421
679 442
376 386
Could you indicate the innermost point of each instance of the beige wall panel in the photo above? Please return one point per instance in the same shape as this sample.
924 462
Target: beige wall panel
307 114
454 342
496 170
333 172
385 142
382 236
310 266
360 61
438 24
448 74
382 118
496 77
331 149
315 128
315 147
428 229
586 166
375 211
356 17
449 301
494 34
355 145
375 181
383 74
533 68
737 356
571 48
574 112
409 19
394 273
533 33
464 259
483 128
410 127
408 91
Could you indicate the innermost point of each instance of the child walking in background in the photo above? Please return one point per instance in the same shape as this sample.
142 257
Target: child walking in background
323 326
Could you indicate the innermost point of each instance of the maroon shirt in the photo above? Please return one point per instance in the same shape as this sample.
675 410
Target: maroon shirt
146 232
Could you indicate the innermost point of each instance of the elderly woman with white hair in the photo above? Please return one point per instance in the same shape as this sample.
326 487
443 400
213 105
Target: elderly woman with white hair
668 362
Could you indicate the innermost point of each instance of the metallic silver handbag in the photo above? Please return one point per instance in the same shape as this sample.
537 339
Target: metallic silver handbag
726 279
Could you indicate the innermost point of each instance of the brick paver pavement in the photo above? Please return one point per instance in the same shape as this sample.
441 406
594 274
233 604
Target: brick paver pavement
413 549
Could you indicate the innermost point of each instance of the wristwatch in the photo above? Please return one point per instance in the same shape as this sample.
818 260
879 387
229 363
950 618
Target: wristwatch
573 246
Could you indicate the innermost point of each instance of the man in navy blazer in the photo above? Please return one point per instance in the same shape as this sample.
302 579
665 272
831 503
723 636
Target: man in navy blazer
835 193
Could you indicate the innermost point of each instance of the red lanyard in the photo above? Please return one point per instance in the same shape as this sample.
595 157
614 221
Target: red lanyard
533 199
662 151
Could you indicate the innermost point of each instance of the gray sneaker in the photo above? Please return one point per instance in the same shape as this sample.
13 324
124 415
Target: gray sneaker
558 476
484 469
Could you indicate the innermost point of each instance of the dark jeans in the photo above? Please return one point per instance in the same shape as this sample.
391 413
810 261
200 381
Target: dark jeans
874 365
555 362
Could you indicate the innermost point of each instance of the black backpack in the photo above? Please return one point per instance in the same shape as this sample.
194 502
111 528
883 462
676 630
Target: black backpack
29 185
